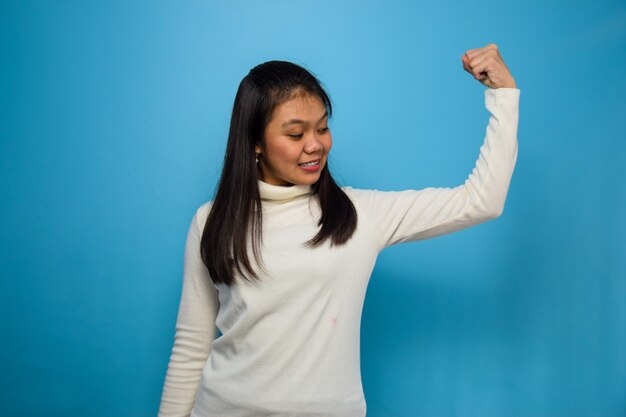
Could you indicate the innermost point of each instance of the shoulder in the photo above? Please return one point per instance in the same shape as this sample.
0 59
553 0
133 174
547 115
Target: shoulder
357 192
362 195
202 213
353 193
364 198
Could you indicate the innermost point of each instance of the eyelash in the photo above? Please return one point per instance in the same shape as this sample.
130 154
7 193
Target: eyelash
323 130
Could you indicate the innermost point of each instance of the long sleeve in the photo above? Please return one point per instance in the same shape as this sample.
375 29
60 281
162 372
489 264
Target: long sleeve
195 330
404 216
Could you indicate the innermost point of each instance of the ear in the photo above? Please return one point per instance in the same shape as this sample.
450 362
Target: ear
257 149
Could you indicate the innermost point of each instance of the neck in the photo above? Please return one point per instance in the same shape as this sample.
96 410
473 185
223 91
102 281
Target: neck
281 193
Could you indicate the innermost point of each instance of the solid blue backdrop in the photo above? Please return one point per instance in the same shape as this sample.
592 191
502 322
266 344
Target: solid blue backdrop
113 124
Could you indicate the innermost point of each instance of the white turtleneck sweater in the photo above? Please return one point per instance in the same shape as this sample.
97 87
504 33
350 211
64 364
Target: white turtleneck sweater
290 342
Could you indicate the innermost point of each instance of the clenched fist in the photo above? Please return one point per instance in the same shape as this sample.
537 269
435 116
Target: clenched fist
487 66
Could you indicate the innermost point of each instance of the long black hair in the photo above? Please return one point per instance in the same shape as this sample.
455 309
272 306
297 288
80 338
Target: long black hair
236 209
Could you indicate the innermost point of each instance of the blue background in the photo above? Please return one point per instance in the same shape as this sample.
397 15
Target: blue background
113 123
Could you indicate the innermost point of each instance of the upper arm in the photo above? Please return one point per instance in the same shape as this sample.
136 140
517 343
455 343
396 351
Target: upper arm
199 301
195 327
410 215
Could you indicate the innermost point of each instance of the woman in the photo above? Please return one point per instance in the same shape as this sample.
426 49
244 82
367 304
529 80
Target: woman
279 261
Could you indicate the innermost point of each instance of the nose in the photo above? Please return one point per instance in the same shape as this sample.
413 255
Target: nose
313 144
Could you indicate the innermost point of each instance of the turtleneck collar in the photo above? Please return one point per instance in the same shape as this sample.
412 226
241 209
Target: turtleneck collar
280 193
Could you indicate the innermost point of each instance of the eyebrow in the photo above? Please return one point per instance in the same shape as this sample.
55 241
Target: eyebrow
299 121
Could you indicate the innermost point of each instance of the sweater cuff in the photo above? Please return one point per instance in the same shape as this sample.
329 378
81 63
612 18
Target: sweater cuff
503 95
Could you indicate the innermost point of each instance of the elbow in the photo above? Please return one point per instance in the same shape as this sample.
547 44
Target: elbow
494 212
495 215
487 207
486 212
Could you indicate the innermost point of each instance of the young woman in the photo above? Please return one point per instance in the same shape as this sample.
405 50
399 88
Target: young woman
279 261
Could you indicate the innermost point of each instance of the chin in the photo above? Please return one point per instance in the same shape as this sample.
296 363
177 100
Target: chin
306 181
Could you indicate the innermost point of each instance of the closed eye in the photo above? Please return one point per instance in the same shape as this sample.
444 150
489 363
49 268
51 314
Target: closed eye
298 136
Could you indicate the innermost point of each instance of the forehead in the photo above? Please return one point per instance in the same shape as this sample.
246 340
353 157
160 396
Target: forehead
307 108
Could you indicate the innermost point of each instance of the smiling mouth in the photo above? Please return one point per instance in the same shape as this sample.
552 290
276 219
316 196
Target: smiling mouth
310 164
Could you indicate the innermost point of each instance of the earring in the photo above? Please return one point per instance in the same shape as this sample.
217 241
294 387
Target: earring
256 157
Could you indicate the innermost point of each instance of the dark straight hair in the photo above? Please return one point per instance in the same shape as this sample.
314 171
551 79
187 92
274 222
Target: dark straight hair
236 210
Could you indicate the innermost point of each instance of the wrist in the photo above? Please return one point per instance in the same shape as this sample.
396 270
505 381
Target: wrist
509 84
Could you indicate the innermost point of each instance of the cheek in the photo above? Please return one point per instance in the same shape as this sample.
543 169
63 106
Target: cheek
285 153
328 144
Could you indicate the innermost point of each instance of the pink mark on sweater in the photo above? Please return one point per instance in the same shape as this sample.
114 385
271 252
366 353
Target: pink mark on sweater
333 320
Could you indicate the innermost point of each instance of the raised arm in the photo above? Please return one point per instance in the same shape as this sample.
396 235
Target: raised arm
195 329
404 216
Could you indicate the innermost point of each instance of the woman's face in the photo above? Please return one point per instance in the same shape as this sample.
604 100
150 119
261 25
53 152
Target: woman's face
296 134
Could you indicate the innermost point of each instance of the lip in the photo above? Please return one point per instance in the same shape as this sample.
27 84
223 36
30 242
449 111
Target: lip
313 168
312 160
